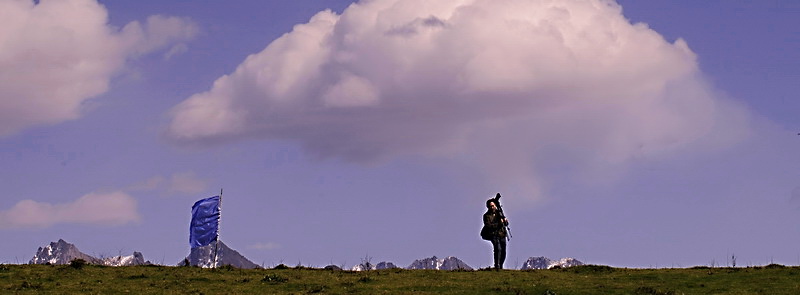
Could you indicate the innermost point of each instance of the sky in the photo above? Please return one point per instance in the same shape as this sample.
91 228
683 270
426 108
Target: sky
628 133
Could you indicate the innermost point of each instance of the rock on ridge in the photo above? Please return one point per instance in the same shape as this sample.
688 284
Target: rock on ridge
385 265
332 267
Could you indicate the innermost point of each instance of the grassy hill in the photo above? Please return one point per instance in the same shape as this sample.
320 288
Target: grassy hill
91 279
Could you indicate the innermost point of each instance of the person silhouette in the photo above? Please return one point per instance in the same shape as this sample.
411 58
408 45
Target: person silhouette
495 223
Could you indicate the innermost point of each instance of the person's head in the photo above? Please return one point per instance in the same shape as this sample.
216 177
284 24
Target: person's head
491 205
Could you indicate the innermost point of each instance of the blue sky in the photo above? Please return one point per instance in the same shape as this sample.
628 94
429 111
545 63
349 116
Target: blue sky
380 129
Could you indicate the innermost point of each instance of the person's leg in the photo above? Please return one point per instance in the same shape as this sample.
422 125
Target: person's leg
502 248
497 252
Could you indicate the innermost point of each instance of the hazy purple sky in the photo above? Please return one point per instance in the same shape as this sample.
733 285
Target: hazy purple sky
628 133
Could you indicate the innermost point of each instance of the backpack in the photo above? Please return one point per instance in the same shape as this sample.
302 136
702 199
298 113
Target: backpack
486 233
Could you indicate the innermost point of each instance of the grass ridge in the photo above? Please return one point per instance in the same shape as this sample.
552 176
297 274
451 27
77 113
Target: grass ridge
587 279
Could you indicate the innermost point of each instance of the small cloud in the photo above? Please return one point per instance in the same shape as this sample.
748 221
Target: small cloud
148 185
175 51
186 183
159 32
265 246
108 209
178 183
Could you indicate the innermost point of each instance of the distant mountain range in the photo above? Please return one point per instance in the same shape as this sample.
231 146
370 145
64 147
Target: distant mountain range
449 263
542 262
369 266
62 252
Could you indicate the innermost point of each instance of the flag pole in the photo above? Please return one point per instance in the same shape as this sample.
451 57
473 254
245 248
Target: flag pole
219 223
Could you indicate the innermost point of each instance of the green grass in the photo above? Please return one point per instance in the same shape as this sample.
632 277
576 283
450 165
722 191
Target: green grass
91 279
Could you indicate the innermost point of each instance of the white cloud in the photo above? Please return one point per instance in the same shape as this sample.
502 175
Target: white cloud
180 183
175 51
157 32
150 184
55 55
502 84
107 209
186 183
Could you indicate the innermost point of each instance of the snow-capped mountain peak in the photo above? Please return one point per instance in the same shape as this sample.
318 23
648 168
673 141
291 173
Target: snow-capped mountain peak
60 252
204 257
135 259
449 263
370 266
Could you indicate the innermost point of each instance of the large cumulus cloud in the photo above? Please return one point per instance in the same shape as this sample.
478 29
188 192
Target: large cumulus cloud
106 209
56 54
501 83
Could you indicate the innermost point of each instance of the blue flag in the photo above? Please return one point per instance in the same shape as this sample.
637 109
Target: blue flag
205 222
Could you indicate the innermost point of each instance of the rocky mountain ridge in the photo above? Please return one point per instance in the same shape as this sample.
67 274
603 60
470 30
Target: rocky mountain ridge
448 263
369 266
61 252
204 257
542 262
